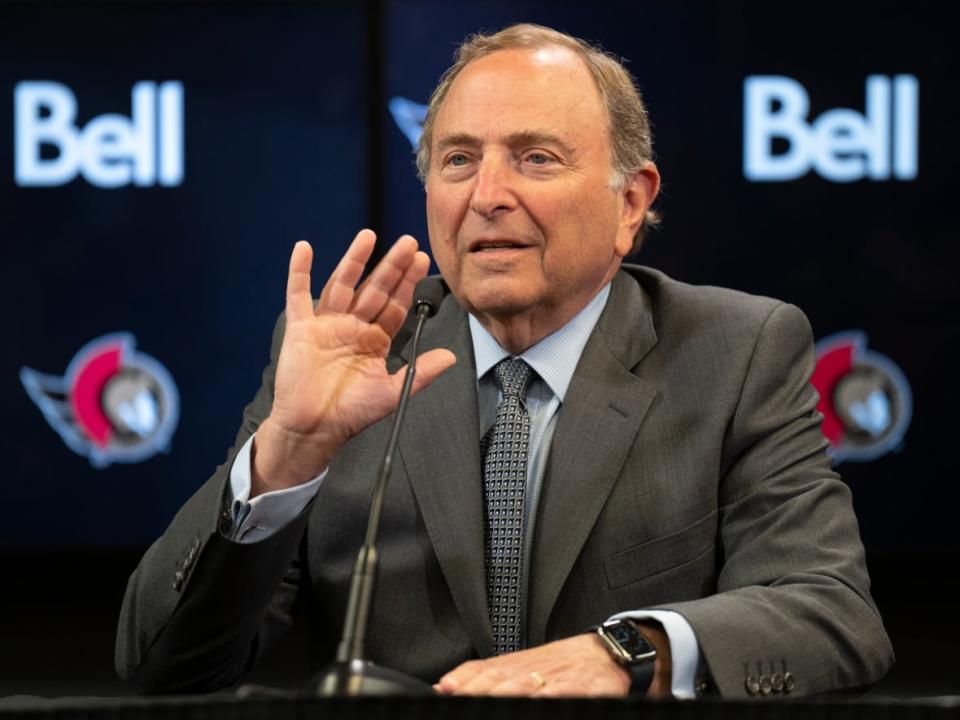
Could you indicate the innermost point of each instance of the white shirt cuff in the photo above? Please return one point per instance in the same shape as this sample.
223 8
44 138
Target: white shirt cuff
684 648
261 517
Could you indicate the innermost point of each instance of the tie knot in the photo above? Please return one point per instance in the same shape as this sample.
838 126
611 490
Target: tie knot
513 376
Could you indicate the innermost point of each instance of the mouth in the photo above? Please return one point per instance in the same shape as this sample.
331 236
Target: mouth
494 245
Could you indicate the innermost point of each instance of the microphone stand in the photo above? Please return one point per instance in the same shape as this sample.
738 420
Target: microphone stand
351 674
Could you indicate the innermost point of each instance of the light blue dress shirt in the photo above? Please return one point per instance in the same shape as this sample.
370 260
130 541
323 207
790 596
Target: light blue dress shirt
554 359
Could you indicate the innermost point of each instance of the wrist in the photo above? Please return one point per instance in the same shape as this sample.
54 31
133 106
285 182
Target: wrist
641 650
281 459
662 685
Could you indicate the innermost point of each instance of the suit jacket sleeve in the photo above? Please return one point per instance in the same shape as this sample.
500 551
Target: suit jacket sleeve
199 608
792 590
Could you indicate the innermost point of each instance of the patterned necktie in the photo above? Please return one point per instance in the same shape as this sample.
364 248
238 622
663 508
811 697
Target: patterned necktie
505 448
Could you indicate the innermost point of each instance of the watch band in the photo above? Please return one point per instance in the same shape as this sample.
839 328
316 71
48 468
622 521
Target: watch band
641 677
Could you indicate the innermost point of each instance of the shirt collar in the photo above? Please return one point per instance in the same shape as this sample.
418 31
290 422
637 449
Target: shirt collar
555 357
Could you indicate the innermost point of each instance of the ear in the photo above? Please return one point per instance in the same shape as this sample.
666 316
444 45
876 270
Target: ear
638 193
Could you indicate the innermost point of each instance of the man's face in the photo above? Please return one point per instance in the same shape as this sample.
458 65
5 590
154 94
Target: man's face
523 222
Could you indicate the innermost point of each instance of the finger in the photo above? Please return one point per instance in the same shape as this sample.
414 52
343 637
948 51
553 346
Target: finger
555 689
453 681
520 685
394 313
380 286
299 301
337 294
583 683
484 682
561 688
430 366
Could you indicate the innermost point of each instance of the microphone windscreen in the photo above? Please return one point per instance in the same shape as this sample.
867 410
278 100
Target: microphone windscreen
429 294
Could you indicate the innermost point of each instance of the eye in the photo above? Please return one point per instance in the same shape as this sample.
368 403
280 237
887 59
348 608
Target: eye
457 160
538 158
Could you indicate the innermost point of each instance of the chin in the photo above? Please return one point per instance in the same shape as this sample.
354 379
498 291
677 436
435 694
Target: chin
499 304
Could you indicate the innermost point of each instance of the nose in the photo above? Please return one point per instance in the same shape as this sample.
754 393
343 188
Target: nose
493 192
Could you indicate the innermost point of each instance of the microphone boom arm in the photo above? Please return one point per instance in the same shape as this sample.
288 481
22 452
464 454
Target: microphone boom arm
353 642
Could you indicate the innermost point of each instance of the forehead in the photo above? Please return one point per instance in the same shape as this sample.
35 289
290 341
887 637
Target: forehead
511 91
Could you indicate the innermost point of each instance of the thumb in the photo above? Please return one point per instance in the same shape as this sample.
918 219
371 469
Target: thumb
430 366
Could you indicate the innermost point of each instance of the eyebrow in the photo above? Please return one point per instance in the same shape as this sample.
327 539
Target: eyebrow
527 137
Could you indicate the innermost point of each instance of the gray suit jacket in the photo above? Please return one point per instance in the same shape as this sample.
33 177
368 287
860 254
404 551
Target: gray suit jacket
687 472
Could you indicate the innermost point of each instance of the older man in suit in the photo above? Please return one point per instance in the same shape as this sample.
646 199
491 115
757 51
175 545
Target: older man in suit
667 481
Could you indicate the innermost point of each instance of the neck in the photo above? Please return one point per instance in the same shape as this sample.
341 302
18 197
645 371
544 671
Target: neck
517 332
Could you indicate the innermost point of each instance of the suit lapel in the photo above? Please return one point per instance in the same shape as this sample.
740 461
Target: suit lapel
601 415
440 450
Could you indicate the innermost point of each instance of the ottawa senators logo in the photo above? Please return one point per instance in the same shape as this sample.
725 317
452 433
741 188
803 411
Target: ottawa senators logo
864 397
112 405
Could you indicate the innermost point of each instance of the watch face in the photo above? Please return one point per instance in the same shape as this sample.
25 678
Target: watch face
626 635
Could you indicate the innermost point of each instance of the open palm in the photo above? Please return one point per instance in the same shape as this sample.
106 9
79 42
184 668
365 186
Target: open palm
332 379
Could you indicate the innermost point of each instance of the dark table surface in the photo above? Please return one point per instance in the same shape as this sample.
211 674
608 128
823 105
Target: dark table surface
307 707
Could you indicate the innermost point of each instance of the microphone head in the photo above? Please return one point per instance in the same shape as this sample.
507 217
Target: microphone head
427 296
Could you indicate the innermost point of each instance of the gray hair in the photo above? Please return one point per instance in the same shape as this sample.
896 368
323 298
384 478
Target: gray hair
630 138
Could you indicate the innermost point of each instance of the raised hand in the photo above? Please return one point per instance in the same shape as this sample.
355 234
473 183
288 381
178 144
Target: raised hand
332 379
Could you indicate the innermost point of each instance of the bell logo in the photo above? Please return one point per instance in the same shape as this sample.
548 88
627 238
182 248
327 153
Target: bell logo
111 151
841 145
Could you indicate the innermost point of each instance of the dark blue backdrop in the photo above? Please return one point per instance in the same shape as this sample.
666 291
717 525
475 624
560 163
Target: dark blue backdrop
273 117
276 106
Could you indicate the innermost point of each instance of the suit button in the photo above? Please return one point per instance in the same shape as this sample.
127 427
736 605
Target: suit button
788 682
225 526
752 685
776 682
765 686
701 686
177 585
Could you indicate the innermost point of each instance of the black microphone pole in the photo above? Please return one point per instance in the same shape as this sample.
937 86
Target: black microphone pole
351 673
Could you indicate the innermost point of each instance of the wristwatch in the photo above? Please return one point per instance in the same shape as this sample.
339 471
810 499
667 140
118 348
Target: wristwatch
632 650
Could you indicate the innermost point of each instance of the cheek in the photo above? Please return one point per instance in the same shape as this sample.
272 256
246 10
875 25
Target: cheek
444 213
600 209
576 209
583 236
434 214
596 225
442 235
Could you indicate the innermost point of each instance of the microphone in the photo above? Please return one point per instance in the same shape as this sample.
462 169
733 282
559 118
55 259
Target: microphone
352 674
427 296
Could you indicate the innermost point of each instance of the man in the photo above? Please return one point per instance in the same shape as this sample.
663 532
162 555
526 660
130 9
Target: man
668 455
